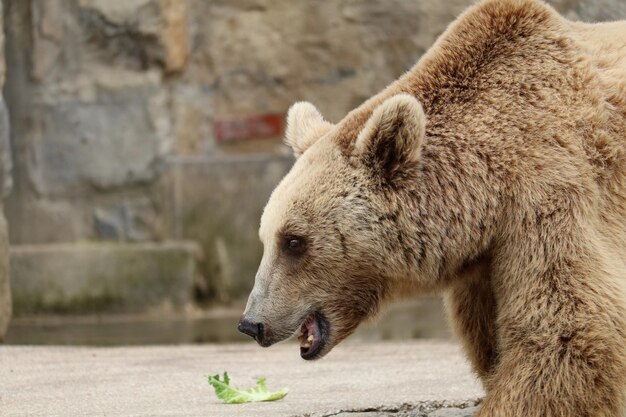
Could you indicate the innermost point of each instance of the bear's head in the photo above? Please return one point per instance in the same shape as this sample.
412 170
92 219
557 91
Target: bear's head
333 242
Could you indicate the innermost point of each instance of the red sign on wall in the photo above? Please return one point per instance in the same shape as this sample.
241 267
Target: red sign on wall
232 129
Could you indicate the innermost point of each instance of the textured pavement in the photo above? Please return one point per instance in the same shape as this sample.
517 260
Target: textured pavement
357 379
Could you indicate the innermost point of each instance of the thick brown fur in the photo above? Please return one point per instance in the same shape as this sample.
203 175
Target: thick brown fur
494 171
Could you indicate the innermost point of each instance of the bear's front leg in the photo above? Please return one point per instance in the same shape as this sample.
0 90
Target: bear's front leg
561 330
471 307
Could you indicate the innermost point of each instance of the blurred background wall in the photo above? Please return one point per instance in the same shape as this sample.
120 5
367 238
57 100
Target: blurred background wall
146 134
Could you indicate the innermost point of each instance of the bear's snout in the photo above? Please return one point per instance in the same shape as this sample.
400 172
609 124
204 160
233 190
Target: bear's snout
254 330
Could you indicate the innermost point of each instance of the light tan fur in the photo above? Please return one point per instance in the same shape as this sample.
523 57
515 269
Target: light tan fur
493 171
305 125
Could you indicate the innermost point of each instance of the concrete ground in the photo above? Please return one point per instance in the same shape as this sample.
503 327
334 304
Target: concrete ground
417 378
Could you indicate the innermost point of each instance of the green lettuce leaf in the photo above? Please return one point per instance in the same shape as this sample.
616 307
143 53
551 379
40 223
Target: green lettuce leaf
232 395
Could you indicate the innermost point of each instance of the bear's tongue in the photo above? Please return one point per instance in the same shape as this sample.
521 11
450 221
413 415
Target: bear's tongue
310 336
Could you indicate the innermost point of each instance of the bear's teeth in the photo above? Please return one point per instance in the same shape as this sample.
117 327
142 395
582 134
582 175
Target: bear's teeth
310 338
306 345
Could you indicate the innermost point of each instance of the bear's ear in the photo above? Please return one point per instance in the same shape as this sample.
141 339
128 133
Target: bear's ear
305 125
393 135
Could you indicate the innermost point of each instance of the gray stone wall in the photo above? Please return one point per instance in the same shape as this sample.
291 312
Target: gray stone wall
102 278
5 188
114 106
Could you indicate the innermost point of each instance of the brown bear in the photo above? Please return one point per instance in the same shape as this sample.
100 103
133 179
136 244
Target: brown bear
493 171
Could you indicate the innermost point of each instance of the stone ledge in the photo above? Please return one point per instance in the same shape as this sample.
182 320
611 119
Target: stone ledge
102 277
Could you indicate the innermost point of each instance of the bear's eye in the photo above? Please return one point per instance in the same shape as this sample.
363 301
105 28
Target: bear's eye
294 245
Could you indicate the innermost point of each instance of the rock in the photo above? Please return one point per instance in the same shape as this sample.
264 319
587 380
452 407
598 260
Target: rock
100 278
146 32
49 33
96 104
174 34
6 162
40 220
77 148
132 219
591 11
193 114
5 285
218 203
324 48
5 188
119 12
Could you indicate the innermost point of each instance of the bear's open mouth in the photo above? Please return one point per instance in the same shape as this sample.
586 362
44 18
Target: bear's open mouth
314 335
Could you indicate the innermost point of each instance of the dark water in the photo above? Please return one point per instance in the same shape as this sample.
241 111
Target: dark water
413 319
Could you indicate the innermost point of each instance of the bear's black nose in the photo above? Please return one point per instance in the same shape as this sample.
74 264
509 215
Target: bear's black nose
254 330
